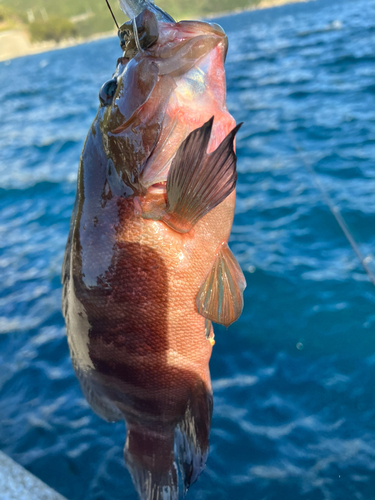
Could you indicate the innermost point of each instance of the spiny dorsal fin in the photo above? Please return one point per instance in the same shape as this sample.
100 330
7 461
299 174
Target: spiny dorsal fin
197 182
220 297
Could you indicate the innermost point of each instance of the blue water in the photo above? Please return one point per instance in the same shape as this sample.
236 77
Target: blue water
294 378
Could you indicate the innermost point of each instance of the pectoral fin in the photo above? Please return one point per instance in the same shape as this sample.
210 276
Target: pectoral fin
220 297
197 182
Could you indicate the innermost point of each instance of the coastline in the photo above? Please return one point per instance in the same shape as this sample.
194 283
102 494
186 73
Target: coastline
16 43
264 4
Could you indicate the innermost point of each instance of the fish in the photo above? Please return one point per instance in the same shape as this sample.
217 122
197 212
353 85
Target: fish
147 267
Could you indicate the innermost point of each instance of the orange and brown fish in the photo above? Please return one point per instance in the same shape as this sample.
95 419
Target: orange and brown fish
147 266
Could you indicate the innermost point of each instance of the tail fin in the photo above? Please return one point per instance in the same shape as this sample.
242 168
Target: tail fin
164 463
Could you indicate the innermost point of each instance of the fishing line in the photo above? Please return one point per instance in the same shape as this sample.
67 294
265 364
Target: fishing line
110 10
333 209
136 37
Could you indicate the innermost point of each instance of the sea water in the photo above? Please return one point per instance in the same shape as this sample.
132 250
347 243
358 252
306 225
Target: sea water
294 378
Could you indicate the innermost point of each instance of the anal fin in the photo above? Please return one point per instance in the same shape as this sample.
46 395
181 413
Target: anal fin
197 182
220 297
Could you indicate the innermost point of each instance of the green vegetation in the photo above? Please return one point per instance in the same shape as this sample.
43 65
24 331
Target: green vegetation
185 9
8 18
51 20
54 28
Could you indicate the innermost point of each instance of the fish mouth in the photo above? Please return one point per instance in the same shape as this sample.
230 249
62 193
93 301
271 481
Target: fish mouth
152 29
140 34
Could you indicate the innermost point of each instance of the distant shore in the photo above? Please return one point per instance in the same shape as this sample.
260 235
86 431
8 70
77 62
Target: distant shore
264 4
16 43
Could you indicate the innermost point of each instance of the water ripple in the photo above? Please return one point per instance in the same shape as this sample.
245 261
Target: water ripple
294 412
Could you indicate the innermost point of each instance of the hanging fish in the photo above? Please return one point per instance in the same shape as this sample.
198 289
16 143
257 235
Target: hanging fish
147 266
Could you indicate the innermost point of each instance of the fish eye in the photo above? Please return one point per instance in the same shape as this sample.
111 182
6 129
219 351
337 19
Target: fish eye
107 92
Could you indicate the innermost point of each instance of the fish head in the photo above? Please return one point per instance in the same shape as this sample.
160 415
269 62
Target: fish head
169 81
